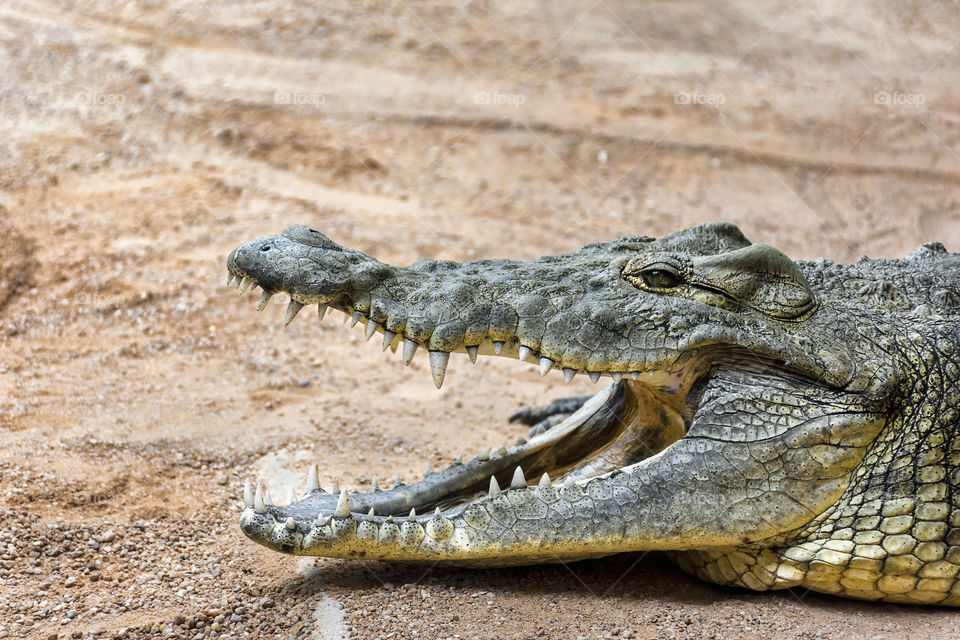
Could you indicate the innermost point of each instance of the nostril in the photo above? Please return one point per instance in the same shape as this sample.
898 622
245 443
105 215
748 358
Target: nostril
265 247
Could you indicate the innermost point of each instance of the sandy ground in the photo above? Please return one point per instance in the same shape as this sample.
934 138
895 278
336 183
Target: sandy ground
141 141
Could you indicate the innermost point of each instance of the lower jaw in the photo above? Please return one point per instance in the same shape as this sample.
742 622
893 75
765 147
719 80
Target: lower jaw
617 427
622 425
421 539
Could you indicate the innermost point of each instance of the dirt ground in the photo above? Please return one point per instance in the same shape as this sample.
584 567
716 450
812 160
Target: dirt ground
141 141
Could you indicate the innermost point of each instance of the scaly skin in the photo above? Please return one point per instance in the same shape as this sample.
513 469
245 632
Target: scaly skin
770 424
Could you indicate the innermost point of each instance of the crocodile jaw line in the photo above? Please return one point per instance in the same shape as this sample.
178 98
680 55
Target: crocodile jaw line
619 426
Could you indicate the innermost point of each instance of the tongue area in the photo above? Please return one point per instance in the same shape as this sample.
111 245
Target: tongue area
639 425
592 427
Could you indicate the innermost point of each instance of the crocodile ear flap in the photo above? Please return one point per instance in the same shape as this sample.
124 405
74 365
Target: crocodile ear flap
759 277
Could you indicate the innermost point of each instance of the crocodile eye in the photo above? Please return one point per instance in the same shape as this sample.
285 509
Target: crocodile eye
655 273
660 278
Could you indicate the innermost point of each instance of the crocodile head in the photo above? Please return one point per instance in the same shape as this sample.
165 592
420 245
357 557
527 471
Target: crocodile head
741 398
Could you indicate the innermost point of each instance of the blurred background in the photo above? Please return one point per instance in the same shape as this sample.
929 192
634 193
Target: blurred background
822 128
141 141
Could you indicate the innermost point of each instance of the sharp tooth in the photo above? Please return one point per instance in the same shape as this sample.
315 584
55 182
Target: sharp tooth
336 486
230 278
428 469
267 498
264 300
540 430
545 480
355 318
321 311
525 353
388 337
521 441
313 479
634 375
472 353
343 505
247 493
594 376
292 496
436 513
545 365
568 375
502 451
239 281
413 513
494 488
617 376
497 346
397 481
409 349
372 328
438 366
518 481
375 485
246 284
370 515
485 454
290 524
258 504
292 310
458 459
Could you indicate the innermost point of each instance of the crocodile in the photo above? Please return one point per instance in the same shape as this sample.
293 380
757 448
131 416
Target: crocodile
767 423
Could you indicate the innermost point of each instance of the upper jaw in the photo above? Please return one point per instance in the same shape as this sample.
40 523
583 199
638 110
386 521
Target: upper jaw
573 313
445 307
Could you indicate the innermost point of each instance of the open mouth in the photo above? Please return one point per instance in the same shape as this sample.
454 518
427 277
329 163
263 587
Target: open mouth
570 441
745 422
725 423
